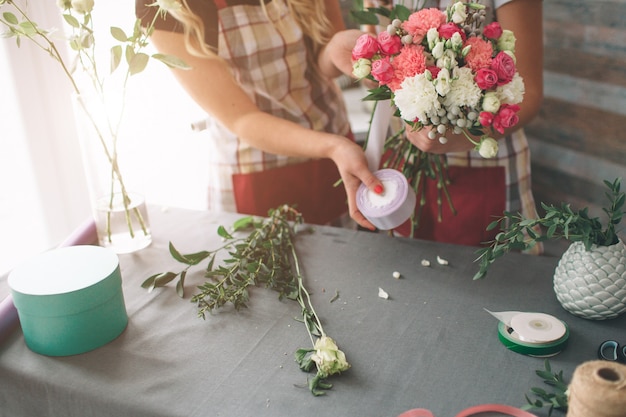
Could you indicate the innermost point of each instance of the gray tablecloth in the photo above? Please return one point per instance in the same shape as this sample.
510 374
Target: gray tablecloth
430 345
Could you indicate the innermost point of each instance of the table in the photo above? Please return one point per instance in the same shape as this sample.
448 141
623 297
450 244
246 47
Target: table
430 345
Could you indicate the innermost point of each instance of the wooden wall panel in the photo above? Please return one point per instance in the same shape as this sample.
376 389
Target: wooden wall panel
578 138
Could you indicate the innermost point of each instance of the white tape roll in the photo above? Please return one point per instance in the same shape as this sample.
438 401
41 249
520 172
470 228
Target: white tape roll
537 327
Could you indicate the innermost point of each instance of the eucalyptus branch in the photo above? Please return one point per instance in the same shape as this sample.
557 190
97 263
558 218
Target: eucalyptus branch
520 233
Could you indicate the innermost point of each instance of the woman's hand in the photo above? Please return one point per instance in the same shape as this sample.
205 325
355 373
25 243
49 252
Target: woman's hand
352 164
455 143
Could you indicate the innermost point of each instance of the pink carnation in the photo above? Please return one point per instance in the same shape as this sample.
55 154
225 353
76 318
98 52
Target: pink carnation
480 54
419 22
366 47
408 63
389 44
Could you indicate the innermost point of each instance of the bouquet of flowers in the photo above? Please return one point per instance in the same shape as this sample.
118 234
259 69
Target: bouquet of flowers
442 70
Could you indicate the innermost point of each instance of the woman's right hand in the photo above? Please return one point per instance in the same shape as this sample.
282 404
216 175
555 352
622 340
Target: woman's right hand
352 164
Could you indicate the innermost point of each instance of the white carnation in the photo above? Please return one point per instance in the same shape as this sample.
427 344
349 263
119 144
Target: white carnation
417 98
464 91
513 92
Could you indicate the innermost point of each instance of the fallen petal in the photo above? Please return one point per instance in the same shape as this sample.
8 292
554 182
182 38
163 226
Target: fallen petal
382 293
441 261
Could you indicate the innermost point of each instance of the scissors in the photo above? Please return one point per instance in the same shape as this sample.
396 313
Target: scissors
610 350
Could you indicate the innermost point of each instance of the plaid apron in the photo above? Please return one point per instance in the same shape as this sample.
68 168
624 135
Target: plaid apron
268 59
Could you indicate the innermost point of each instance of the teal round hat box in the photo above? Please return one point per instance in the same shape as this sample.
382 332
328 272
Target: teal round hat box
69 300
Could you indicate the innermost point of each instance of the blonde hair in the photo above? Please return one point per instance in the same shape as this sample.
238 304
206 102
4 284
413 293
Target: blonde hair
310 15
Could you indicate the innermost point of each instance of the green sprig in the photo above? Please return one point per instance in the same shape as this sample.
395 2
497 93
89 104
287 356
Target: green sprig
266 257
520 233
556 400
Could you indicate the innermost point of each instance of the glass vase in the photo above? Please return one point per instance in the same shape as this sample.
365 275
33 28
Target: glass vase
120 214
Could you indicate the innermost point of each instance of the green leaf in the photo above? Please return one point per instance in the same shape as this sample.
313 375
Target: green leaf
164 278
71 20
243 223
116 57
221 231
10 18
364 17
118 34
180 285
171 61
138 63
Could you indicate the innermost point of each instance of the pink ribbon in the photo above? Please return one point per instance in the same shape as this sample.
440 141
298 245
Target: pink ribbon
484 408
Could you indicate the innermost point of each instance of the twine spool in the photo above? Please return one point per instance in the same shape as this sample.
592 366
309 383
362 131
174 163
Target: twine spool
598 389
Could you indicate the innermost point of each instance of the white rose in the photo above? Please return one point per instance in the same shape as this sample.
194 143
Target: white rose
329 359
362 68
82 6
488 147
459 12
491 102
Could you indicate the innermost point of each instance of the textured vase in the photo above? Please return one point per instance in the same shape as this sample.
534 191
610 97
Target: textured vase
592 284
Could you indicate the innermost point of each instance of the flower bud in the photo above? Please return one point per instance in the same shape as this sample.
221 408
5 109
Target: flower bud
82 6
488 147
362 68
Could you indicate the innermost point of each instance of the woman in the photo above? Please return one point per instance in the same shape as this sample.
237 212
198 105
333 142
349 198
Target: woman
481 189
263 72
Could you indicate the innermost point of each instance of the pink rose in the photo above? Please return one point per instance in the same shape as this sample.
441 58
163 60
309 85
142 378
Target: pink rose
485 118
389 44
366 47
492 31
506 117
382 71
486 78
504 66
448 29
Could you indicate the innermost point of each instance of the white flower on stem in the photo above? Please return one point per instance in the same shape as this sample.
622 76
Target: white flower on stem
488 147
447 60
432 37
491 102
457 41
444 82
465 92
82 6
438 50
328 358
458 12
362 68
417 98
513 92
